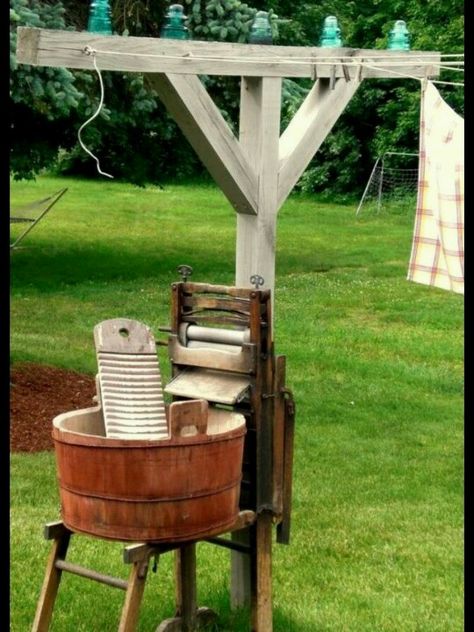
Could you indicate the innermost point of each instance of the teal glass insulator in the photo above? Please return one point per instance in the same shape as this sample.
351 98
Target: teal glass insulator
331 34
399 37
174 27
99 17
261 30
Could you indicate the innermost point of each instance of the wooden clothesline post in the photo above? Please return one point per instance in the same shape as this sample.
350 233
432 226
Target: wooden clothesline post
256 171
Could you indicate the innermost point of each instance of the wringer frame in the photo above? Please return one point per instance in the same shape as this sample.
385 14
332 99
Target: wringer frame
221 350
238 368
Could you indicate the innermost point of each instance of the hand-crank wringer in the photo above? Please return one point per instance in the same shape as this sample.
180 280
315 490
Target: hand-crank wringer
221 349
182 484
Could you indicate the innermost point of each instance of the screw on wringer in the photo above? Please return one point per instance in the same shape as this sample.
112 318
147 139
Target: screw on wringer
257 280
185 272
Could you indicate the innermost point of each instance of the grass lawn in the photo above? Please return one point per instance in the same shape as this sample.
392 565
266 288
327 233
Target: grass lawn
376 366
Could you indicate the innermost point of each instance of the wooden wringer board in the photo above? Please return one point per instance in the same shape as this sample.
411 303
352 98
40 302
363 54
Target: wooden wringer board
221 349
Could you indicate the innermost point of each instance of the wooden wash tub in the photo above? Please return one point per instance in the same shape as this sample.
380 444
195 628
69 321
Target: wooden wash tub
182 488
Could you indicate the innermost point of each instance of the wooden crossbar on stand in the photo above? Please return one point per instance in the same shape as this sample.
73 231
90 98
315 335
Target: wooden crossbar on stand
188 615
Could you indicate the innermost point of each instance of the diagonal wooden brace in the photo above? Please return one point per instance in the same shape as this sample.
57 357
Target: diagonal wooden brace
309 128
201 121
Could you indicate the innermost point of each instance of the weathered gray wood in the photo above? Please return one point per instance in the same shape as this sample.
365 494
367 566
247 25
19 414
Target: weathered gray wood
256 236
130 380
141 552
240 587
123 336
202 123
244 519
55 530
188 416
259 137
46 47
215 386
309 128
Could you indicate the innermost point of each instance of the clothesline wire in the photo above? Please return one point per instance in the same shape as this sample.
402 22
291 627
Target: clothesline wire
421 79
423 58
448 83
450 68
355 61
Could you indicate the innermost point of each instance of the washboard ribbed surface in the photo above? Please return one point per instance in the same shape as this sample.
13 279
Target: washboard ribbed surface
130 382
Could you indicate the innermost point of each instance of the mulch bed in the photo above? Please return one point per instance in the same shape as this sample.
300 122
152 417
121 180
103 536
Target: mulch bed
37 394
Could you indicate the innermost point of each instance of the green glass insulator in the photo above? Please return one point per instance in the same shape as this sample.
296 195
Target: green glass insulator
261 30
174 27
399 37
99 17
331 34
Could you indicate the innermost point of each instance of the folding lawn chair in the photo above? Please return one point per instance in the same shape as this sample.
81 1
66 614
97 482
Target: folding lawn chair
32 213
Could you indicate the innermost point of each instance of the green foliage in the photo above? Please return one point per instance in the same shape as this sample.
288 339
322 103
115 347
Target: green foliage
129 17
134 138
49 91
42 98
50 104
224 20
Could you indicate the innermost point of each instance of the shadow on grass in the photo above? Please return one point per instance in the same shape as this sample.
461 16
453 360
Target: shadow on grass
48 268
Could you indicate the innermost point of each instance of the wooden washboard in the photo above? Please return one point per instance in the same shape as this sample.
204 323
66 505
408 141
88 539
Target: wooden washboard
129 378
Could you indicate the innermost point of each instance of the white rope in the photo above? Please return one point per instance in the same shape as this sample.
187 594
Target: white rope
400 74
428 59
90 51
451 68
448 83
359 61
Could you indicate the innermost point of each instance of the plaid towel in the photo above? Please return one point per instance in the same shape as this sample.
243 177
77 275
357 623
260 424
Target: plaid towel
437 256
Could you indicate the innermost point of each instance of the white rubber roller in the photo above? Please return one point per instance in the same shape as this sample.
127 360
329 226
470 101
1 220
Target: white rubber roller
188 332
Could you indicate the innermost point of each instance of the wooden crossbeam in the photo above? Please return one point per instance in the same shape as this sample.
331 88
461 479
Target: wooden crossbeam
201 121
308 129
46 47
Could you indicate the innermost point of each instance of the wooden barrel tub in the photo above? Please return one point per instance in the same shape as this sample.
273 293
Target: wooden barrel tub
172 490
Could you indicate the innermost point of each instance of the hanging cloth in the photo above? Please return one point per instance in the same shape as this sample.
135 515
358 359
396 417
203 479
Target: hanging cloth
437 256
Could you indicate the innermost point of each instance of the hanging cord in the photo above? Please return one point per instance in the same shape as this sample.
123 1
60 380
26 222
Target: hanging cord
89 51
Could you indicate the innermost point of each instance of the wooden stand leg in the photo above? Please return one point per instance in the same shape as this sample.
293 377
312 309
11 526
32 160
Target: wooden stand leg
188 616
133 598
186 591
240 591
262 620
44 609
